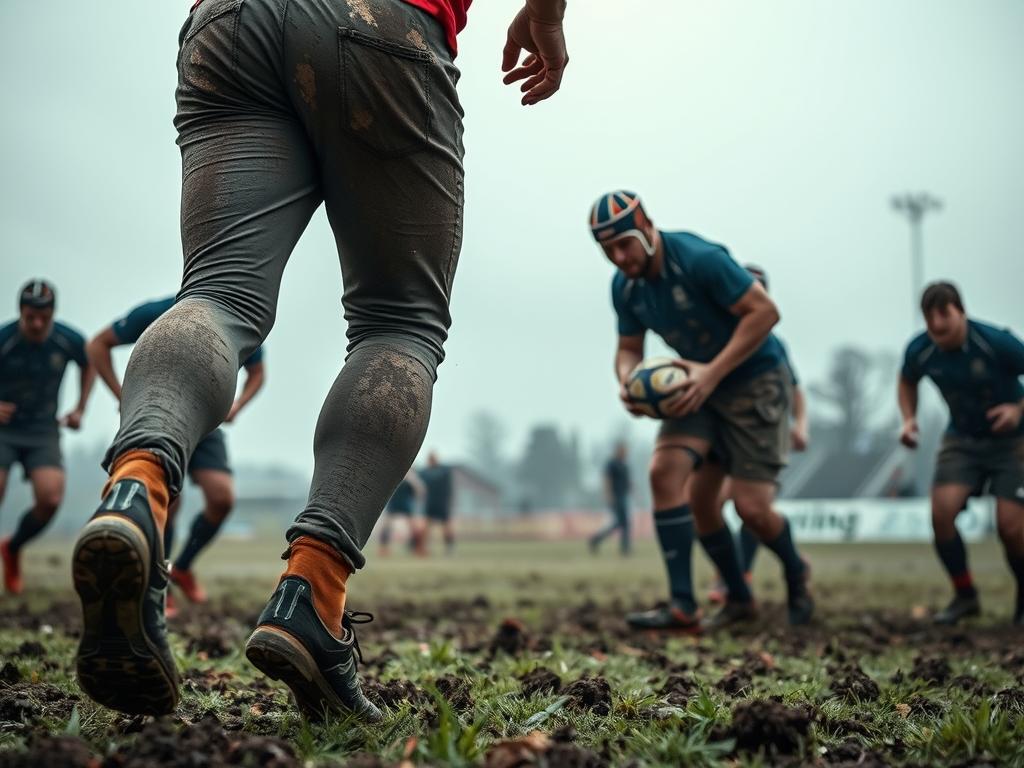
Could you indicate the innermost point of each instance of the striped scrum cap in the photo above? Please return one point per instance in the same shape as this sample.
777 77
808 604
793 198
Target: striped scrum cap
614 216
37 294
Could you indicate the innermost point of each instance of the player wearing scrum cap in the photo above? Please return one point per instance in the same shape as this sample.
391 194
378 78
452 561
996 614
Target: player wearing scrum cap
34 353
718 318
977 368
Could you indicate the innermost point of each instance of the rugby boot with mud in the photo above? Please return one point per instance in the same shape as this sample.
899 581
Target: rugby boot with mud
291 644
960 607
731 614
671 617
12 567
123 660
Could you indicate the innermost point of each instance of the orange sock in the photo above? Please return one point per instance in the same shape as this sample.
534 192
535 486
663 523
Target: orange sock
147 469
326 571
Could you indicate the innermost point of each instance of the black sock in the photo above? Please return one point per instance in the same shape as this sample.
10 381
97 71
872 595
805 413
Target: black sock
953 555
721 548
168 538
28 529
199 535
748 544
793 565
675 535
1016 563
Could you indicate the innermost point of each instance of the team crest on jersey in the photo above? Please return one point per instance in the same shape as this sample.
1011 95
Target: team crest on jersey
679 297
57 361
978 368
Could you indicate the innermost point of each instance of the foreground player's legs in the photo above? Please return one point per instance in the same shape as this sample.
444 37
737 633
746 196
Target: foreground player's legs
392 179
948 500
249 187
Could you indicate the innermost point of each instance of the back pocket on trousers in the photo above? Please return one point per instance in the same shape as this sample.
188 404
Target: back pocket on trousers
385 92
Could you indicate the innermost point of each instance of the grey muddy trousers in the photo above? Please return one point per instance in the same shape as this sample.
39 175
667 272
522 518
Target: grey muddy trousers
282 105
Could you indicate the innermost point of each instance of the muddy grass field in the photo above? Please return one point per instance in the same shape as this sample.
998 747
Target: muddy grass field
515 654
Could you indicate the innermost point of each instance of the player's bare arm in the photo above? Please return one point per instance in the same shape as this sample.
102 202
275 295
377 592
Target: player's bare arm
536 29
255 377
86 380
99 351
1005 417
758 315
907 395
800 433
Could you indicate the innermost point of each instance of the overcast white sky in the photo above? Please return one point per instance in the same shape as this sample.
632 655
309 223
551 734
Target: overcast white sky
780 129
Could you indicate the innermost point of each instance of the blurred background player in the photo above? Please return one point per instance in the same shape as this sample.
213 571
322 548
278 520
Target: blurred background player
378 142
208 466
718 319
799 439
977 368
440 488
408 497
617 487
34 353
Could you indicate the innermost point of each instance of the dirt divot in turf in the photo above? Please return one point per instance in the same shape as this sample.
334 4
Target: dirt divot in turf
763 724
395 693
851 753
735 682
590 693
52 752
852 684
540 680
30 649
537 750
205 742
1011 699
456 691
511 638
931 669
9 673
679 689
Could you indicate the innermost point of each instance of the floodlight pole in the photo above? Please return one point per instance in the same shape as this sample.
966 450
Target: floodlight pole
914 207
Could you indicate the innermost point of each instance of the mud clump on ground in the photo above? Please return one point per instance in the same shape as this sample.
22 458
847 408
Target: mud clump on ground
9 674
30 649
511 638
849 682
590 693
1010 699
735 682
203 743
456 691
933 669
851 753
52 752
537 750
679 689
540 680
763 724
394 693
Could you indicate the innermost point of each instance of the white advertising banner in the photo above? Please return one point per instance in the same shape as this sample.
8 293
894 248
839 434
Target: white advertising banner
838 520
